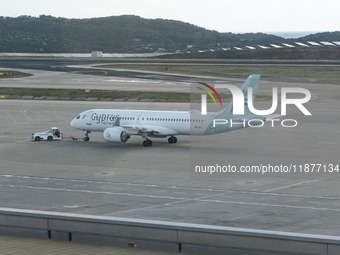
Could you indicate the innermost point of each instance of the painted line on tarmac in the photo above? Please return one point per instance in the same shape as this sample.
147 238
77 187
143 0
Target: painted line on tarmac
289 186
171 187
273 205
24 114
59 117
91 192
42 117
10 117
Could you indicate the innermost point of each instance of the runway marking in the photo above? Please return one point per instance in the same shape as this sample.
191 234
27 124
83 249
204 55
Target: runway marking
10 116
91 192
41 116
201 199
263 193
107 182
166 204
134 210
24 114
58 116
194 199
273 205
289 186
176 200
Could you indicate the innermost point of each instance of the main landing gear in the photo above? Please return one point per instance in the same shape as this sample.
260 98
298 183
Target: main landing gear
87 138
172 139
147 143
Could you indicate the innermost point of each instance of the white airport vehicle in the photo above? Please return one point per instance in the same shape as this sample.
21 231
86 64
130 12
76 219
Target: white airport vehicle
50 135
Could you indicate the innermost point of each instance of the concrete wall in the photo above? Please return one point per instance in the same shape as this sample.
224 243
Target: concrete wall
169 236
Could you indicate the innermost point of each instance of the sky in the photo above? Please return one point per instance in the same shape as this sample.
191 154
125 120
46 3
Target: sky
237 16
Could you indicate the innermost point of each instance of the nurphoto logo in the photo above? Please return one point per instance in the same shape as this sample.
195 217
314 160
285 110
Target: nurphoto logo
240 100
243 105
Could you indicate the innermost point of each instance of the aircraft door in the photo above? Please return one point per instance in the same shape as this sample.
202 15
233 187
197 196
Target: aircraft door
88 118
138 119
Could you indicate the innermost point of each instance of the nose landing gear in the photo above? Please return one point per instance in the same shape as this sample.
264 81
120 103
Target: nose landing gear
87 138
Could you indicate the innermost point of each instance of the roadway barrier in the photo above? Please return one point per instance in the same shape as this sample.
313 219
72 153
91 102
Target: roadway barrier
162 235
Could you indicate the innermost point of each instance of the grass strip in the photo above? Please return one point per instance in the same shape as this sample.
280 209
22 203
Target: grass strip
13 74
285 73
106 95
92 95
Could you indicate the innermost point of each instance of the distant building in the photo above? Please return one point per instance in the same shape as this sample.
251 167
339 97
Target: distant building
96 54
161 50
288 45
302 44
276 46
251 47
327 43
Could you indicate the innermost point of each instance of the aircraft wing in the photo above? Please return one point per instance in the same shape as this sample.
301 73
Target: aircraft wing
151 130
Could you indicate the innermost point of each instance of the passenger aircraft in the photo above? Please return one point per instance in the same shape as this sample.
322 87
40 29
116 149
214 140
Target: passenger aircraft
119 125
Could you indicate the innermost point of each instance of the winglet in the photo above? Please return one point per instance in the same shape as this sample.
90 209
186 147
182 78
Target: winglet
117 122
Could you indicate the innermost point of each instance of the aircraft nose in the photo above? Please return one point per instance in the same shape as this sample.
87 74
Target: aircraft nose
73 123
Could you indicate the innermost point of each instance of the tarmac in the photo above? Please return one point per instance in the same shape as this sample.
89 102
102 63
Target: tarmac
161 182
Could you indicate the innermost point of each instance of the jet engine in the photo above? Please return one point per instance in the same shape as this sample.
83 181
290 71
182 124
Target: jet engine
115 135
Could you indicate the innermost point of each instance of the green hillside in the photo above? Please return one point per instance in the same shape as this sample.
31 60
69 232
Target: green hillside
120 34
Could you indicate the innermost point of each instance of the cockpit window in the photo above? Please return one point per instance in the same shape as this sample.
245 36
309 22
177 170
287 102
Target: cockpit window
84 116
78 117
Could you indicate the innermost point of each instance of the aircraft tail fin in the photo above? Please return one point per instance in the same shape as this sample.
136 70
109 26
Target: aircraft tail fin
251 82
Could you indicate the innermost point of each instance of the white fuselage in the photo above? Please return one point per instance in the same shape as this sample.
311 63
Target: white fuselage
180 122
